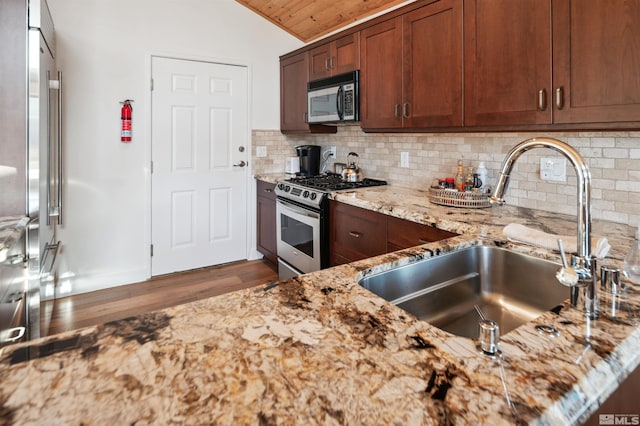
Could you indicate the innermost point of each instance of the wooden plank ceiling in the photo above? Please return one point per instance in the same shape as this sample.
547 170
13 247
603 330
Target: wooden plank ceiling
311 19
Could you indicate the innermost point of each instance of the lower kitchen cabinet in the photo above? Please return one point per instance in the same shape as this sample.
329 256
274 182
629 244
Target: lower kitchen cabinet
623 402
402 234
356 233
266 216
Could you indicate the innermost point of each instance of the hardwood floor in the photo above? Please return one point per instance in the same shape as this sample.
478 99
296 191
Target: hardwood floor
160 292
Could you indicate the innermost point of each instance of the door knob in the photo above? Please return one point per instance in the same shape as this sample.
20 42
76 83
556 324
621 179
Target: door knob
240 164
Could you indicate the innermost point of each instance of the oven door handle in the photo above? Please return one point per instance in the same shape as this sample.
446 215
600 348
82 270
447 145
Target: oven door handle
298 210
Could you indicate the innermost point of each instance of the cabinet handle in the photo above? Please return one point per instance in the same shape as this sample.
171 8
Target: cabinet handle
355 234
396 111
331 62
422 241
560 97
542 99
268 190
326 64
405 110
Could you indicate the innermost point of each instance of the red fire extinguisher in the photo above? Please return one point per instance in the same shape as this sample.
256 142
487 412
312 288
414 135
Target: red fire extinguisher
125 112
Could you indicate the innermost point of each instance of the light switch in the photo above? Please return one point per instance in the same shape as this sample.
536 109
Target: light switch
261 151
553 169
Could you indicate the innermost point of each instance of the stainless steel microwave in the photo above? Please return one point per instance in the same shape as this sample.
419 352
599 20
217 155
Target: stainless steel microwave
335 99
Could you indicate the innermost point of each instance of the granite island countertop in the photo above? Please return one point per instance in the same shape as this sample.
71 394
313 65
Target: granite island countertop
319 349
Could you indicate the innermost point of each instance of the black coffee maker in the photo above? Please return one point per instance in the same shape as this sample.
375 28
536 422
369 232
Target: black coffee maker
309 156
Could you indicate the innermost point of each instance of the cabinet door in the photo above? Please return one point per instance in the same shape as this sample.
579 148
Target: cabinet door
293 93
381 75
507 59
355 233
266 218
433 66
320 61
337 57
596 60
346 54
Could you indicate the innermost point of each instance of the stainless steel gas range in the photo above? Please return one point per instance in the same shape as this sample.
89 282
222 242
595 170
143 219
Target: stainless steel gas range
302 221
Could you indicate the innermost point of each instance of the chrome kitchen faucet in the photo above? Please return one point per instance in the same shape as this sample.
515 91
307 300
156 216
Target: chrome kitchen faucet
583 265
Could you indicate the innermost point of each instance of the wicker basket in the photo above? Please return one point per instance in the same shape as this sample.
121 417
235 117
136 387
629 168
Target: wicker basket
447 197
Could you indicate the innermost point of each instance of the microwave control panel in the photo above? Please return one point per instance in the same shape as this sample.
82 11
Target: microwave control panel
348 103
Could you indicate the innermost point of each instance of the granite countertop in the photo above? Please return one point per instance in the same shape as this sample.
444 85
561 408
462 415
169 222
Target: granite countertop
11 228
319 349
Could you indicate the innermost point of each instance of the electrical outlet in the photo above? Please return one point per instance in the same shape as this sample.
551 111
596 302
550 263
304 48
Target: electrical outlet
553 169
332 150
404 159
261 151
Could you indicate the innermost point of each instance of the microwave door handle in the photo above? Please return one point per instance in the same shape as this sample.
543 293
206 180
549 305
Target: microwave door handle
340 102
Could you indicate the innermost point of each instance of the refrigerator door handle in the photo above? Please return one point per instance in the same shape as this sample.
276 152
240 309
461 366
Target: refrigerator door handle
55 211
49 136
59 147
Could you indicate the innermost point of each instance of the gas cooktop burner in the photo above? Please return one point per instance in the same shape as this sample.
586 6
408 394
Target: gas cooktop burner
333 182
313 191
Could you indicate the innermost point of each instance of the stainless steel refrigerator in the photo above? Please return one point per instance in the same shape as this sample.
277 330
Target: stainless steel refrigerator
31 139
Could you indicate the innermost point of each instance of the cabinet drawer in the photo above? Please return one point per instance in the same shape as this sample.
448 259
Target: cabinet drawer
356 233
404 233
265 189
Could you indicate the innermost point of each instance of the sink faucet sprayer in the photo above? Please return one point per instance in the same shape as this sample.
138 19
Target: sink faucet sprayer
583 266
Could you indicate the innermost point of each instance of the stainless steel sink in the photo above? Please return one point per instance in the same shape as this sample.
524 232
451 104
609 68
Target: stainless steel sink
509 287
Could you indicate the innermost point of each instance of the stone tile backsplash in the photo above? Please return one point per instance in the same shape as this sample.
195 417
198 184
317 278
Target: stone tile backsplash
613 158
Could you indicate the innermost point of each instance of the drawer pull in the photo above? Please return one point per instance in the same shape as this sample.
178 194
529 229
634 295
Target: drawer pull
422 241
355 234
268 190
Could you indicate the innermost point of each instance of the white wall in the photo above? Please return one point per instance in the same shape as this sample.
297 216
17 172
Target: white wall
104 48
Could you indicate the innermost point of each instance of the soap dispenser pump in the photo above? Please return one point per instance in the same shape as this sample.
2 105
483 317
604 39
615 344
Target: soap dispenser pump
631 265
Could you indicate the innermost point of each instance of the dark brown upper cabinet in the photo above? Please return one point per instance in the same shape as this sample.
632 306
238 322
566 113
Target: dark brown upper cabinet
381 75
525 65
294 75
336 57
507 61
432 66
596 61
570 63
411 69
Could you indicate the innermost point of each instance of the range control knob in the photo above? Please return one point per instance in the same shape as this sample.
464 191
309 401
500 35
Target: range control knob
281 186
305 194
287 188
313 196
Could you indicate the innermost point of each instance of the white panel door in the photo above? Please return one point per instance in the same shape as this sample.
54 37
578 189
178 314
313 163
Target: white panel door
199 181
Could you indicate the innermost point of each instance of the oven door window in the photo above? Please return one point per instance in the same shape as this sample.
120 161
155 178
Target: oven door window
297 234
